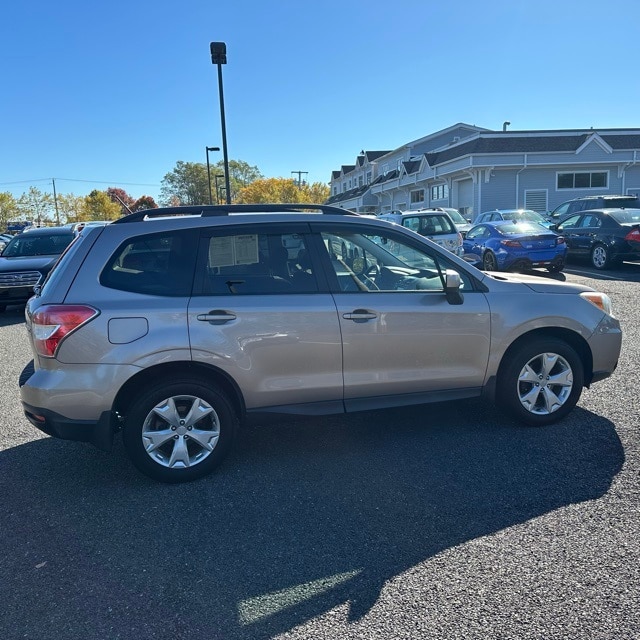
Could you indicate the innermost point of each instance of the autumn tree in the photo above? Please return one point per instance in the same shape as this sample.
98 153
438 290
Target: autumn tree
9 209
144 202
281 190
122 198
241 174
99 206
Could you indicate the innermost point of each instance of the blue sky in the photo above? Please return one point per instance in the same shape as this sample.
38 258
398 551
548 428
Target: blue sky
114 94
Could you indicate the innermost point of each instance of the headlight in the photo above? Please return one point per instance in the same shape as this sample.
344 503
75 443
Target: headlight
600 300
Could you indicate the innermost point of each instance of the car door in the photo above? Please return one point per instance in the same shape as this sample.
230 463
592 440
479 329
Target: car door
260 314
474 243
569 228
400 335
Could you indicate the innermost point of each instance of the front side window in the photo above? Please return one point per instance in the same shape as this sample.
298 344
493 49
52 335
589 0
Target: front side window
256 264
371 263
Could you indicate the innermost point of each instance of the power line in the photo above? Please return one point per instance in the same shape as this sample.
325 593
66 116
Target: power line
112 182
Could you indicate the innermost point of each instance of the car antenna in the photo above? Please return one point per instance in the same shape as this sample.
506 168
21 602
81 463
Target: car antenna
122 202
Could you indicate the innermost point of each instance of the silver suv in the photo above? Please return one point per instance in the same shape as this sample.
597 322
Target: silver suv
174 326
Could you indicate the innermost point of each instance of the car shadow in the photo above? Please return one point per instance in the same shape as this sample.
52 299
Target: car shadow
12 315
305 516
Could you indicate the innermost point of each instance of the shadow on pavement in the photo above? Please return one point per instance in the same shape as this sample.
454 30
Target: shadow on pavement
302 518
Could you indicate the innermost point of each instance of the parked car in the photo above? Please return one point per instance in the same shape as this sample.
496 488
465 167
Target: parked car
460 222
27 259
435 224
514 246
593 202
4 240
515 215
604 236
175 325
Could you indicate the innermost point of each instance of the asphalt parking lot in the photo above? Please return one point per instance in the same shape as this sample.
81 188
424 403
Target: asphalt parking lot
442 521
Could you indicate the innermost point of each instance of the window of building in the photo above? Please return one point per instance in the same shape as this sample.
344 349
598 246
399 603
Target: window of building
583 180
360 180
439 192
385 169
369 177
417 196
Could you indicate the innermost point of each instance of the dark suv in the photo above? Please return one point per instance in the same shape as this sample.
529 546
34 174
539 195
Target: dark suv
176 325
594 202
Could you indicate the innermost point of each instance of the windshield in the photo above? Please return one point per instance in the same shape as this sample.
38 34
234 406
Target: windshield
456 216
30 244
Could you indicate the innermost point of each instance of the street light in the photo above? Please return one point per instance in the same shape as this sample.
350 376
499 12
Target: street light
219 57
209 172
217 190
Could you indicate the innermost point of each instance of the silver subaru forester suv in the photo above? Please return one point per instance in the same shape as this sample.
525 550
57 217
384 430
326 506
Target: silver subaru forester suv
174 326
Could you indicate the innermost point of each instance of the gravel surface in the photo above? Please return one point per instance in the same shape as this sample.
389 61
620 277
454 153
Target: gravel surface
442 521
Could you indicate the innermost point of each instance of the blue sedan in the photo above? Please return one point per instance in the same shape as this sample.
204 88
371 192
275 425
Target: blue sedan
514 246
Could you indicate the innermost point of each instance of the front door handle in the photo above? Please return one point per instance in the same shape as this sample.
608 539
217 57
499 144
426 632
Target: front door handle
216 317
360 315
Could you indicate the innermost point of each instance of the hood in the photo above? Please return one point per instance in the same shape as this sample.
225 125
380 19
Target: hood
27 263
538 284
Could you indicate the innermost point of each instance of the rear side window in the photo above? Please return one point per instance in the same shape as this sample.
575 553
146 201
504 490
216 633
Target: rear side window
256 264
160 264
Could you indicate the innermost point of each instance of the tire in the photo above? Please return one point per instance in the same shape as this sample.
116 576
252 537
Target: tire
541 381
168 445
600 257
489 262
555 268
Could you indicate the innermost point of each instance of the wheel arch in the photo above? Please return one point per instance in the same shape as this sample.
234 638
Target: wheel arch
573 339
173 371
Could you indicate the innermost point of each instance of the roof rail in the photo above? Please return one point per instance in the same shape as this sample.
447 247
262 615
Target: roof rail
225 210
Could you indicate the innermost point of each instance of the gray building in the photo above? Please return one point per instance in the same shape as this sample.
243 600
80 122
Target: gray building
475 169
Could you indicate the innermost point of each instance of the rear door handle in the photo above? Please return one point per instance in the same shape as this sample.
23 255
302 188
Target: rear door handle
216 317
360 315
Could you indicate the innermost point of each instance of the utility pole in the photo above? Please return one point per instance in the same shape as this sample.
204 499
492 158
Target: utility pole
55 201
299 181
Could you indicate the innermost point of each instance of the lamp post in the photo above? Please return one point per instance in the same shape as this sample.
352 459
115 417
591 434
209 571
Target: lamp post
209 173
219 175
219 57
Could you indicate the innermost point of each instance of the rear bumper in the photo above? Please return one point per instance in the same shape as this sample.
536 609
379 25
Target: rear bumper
98 432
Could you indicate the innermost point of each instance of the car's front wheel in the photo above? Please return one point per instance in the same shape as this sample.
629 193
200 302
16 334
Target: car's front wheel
179 431
541 381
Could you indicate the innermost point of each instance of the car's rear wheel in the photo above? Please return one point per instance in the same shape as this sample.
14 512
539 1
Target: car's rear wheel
600 257
489 262
541 381
179 431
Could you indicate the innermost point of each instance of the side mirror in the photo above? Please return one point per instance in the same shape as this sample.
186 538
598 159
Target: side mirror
452 284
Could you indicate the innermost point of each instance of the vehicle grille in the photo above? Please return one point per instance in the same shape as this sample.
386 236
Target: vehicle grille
20 279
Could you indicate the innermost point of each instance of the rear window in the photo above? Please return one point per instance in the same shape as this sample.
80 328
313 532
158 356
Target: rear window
621 202
160 264
628 216
432 225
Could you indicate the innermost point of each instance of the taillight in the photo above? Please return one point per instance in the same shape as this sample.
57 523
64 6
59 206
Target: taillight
510 243
633 235
51 324
559 240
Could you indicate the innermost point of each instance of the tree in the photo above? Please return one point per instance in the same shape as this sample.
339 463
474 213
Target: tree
99 206
241 174
9 209
70 207
283 190
187 182
144 202
36 205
